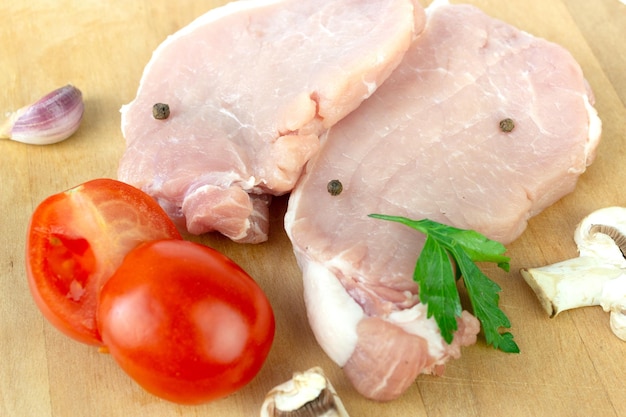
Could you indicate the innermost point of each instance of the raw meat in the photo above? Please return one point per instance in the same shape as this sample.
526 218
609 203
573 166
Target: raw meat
251 86
428 144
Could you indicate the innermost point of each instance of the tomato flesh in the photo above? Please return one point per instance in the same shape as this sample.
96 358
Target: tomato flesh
185 322
69 264
75 241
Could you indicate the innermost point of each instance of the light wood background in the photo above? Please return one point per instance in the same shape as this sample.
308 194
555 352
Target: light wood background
569 366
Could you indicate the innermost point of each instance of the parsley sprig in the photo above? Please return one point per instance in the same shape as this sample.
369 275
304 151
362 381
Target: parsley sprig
448 255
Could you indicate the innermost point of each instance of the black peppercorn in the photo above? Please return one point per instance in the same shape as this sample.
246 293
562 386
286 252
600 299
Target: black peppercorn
507 125
160 111
334 187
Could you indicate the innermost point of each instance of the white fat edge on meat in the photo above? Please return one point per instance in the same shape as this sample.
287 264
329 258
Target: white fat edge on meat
223 180
249 184
333 314
372 86
414 321
595 125
212 15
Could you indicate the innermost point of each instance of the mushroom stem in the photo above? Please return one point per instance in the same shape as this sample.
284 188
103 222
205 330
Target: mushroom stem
596 278
574 283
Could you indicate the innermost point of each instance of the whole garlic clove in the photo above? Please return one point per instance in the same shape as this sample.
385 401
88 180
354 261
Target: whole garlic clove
51 119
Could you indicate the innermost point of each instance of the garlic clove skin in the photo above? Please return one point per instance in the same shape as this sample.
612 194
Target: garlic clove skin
51 119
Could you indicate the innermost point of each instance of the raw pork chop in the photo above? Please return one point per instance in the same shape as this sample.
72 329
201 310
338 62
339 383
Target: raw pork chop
251 86
428 144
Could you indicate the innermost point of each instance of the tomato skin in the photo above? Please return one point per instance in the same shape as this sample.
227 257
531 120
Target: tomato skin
185 322
75 241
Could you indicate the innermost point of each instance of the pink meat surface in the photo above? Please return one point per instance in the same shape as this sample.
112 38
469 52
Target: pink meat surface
251 86
428 144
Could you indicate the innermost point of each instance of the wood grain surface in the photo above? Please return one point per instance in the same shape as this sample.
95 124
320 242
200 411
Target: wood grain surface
571 365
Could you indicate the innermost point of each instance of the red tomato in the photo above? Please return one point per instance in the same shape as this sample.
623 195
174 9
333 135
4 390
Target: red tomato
77 239
185 322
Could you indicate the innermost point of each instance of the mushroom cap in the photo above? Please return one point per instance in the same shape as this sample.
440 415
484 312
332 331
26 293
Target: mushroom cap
614 300
618 324
308 393
602 234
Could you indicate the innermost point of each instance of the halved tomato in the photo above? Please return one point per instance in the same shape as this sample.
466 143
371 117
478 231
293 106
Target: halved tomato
77 239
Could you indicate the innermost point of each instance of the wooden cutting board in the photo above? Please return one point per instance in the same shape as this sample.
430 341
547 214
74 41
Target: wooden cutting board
569 366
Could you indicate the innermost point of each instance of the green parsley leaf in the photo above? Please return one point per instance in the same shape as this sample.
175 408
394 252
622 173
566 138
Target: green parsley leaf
436 274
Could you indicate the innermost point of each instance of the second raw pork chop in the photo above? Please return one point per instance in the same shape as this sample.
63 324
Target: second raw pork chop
250 87
428 144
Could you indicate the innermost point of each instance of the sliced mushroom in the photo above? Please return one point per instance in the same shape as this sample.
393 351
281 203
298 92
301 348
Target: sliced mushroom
596 278
306 394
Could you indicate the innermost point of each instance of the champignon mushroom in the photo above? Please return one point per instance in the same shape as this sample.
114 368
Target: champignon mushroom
596 277
308 394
